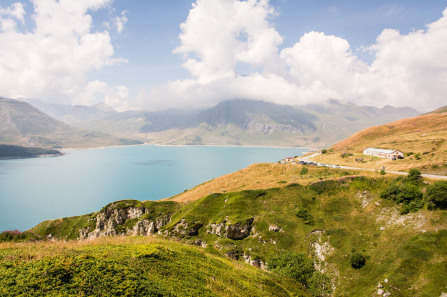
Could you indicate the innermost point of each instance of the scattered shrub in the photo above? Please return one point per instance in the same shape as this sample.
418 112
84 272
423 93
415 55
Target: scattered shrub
301 268
346 155
382 171
409 154
305 215
406 192
417 156
304 171
357 260
327 186
414 176
292 264
324 151
16 235
437 194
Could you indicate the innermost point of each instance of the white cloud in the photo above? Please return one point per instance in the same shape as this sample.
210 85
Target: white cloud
120 21
218 35
10 15
52 61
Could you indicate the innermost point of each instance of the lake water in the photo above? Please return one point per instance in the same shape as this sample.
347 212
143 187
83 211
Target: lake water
83 181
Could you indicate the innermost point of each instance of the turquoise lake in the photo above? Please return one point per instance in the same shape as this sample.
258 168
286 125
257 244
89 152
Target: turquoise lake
83 181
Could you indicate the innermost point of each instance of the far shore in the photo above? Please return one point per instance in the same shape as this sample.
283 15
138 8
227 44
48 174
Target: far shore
35 156
189 145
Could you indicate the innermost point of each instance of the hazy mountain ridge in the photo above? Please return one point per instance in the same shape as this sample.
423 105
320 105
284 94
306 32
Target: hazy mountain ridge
23 124
71 114
247 122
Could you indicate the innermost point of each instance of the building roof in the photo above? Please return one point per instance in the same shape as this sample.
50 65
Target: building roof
382 151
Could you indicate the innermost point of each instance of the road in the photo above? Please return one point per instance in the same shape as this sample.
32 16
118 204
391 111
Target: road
308 158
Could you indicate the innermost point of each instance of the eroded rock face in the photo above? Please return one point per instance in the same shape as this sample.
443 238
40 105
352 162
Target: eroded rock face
255 262
274 228
236 231
110 220
184 228
143 228
218 229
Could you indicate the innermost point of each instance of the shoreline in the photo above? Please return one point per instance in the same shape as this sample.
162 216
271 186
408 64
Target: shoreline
189 145
32 157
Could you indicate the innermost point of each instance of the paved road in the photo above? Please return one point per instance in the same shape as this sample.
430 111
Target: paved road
307 159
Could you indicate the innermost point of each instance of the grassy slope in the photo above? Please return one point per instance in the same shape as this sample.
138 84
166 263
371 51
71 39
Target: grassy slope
425 134
412 261
131 267
410 251
262 176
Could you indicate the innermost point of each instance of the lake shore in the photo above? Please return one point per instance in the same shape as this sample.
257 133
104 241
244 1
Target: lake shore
189 145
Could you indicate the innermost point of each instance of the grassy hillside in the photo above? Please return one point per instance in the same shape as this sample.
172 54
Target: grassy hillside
330 217
138 266
421 138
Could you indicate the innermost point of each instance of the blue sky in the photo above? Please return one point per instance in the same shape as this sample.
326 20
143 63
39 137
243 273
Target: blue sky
132 54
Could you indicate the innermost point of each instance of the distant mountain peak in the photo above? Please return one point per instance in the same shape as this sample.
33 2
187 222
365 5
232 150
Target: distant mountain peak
102 106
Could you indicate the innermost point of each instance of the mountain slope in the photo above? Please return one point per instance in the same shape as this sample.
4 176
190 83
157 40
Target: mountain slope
328 220
23 124
421 138
247 122
131 267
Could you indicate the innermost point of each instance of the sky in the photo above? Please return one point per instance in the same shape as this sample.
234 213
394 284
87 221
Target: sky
158 54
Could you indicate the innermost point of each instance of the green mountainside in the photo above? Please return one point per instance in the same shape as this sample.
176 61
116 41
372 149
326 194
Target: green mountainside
360 236
23 124
248 122
132 267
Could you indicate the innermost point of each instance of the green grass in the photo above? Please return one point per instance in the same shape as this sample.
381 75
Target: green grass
347 215
132 267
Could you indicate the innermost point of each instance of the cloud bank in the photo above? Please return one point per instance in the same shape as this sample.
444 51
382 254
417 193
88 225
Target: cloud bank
52 61
220 37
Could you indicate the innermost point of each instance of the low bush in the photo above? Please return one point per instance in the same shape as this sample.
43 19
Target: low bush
301 268
304 171
437 194
327 186
16 235
406 193
357 260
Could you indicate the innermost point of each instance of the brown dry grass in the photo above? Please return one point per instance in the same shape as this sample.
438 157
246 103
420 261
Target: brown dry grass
262 176
425 134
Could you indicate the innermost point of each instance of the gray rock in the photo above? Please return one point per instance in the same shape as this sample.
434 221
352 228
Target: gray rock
184 228
274 228
144 228
239 231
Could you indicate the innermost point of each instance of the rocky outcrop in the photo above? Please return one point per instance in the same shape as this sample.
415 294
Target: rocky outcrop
114 220
185 228
255 262
143 228
236 231
275 228
218 229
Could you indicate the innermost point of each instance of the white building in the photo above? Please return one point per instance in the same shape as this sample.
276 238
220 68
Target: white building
389 154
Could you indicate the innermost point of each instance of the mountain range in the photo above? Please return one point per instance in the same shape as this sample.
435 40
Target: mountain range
248 122
233 122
